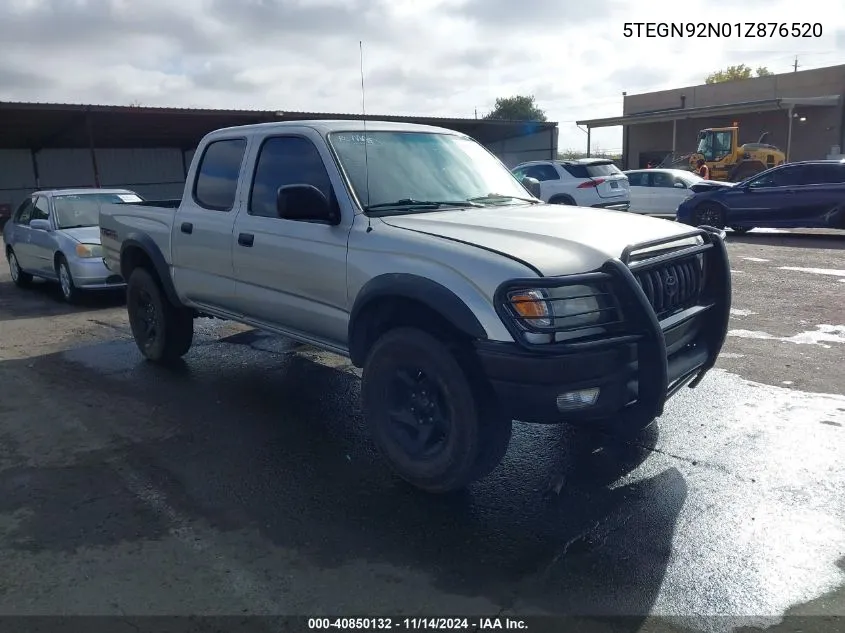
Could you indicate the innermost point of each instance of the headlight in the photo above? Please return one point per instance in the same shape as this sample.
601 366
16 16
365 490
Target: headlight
89 250
561 309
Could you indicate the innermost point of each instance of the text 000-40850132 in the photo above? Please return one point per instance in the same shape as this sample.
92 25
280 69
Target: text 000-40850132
417 623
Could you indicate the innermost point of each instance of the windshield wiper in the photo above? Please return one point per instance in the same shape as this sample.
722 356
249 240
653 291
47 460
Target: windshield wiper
493 197
410 203
76 226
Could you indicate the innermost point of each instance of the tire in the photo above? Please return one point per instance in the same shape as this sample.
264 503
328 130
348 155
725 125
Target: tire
19 277
162 332
409 375
70 293
741 230
709 214
563 200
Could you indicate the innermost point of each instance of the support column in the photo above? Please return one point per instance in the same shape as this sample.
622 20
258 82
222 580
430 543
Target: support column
90 126
589 129
34 156
674 138
791 113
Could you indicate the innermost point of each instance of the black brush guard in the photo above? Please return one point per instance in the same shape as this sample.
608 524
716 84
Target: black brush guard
660 370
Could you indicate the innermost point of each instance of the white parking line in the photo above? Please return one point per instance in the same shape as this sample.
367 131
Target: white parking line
816 271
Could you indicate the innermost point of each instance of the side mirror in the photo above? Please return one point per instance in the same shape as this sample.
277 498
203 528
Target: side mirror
41 225
679 185
533 186
305 203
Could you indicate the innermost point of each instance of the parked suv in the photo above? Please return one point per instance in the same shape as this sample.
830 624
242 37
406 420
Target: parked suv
413 251
586 182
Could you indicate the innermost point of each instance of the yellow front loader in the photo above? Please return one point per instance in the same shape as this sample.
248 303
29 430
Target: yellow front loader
728 161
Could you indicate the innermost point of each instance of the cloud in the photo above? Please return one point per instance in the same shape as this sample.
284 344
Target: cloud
427 57
539 14
22 81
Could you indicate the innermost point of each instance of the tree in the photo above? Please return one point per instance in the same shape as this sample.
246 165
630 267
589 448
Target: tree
517 108
733 73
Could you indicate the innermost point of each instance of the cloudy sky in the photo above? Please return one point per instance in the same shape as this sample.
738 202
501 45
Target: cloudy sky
431 57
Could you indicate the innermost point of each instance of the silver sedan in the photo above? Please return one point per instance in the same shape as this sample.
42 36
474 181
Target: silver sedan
55 235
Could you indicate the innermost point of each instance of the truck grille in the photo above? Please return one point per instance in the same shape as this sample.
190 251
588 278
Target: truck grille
673 286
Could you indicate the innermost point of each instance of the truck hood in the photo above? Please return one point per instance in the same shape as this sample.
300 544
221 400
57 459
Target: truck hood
554 239
84 234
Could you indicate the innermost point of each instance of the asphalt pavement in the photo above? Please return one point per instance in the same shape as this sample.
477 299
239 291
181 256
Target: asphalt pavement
243 481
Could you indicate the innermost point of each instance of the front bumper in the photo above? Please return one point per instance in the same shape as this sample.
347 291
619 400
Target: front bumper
636 372
92 274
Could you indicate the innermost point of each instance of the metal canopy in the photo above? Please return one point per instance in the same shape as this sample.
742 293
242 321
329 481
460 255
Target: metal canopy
42 125
676 114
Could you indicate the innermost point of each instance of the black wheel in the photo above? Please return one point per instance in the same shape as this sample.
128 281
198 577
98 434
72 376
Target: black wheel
742 230
162 331
563 200
709 214
70 293
19 277
427 415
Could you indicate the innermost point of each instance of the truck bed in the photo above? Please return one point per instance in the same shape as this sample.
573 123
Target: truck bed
152 218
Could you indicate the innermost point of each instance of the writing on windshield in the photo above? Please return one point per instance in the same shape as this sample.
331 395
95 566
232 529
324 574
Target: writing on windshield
77 210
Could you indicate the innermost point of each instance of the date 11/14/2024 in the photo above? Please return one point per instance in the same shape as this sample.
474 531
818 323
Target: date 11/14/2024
744 30
418 624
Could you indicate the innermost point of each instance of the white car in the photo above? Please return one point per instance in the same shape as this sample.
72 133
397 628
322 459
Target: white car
586 182
660 191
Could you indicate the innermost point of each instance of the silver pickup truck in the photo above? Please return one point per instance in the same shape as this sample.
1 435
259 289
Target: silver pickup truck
416 253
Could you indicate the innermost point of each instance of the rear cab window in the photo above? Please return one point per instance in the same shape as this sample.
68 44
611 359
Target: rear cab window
216 180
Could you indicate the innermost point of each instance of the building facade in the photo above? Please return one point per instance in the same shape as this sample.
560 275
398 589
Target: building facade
801 112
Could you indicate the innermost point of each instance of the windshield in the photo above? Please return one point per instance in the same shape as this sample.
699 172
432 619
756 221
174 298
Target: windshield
714 145
422 166
83 209
690 178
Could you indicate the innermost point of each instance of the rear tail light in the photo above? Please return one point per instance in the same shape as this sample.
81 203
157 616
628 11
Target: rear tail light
591 183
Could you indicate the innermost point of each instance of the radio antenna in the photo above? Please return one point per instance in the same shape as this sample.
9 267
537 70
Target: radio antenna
366 138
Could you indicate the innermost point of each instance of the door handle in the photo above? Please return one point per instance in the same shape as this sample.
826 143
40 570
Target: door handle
246 239
187 227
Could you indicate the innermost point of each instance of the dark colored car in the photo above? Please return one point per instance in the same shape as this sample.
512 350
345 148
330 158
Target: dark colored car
808 194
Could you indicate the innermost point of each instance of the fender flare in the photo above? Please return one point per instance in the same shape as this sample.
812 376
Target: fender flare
148 246
416 288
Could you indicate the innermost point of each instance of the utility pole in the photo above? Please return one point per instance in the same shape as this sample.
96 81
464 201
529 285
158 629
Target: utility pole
476 113
795 65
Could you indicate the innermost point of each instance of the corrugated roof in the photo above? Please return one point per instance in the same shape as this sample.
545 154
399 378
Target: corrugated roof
40 125
300 114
